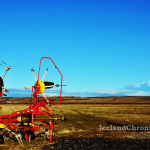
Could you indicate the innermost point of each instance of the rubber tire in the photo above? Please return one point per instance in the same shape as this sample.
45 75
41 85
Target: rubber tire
1 139
28 132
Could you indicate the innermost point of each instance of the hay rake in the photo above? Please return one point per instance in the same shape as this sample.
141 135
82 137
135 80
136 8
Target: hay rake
26 118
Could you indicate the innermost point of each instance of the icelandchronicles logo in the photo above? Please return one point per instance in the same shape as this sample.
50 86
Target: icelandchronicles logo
125 127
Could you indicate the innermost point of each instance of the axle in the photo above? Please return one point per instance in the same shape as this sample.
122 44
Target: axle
20 118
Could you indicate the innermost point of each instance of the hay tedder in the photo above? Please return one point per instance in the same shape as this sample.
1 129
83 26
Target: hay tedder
22 124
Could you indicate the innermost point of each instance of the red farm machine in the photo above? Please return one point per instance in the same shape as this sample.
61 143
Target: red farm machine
22 124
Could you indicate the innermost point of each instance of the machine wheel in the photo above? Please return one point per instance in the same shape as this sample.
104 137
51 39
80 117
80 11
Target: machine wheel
1 139
29 133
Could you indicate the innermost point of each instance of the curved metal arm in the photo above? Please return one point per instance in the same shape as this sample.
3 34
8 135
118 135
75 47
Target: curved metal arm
58 71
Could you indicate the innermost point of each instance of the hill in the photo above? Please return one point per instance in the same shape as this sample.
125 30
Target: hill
82 100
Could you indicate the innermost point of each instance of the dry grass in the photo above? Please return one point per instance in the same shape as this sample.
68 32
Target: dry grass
9 108
83 120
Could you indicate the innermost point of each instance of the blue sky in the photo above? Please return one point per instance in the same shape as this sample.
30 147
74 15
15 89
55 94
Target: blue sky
101 47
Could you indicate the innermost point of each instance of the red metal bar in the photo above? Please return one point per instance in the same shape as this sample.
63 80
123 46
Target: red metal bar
52 62
31 97
4 116
49 100
50 131
34 113
1 93
4 121
21 112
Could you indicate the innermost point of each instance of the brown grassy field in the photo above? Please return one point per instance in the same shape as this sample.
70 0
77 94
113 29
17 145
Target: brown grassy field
85 100
83 120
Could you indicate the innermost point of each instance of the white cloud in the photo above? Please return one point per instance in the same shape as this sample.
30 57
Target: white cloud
73 92
144 86
51 94
137 89
139 93
136 85
104 91
13 88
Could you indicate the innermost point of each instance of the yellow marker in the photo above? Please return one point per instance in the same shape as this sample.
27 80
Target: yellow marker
26 123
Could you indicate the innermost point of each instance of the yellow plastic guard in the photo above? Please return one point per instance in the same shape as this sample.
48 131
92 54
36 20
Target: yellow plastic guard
19 119
2 125
42 87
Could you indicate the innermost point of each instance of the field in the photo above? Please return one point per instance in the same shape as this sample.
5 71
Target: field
85 119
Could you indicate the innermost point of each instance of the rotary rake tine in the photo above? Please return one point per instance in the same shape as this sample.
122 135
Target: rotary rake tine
51 86
6 69
5 63
5 90
2 65
45 74
18 136
27 88
46 98
1 81
33 73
